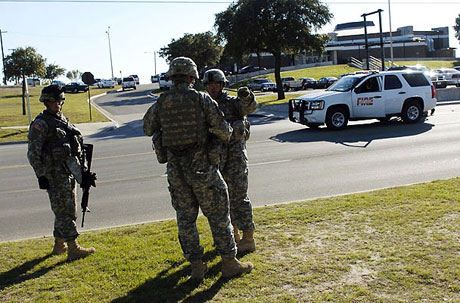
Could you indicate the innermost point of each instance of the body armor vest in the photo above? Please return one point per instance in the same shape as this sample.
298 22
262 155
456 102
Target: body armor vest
60 134
182 118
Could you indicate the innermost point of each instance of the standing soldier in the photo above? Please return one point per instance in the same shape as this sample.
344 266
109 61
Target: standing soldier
234 160
54 152
181 123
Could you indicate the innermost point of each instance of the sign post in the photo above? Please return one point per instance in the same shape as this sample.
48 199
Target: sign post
88 79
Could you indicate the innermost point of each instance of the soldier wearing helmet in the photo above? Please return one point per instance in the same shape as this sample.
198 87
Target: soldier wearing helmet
233 161
181 123
54 150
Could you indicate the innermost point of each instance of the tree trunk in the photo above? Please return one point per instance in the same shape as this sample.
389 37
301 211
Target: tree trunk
279 85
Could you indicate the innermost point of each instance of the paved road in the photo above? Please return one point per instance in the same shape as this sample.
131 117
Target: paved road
288 162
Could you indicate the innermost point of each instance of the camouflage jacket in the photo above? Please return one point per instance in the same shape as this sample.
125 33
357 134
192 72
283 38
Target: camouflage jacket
235 111
214 118
53 141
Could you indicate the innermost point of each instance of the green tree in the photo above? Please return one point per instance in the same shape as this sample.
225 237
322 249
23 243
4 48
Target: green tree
53 71
457 27
73 75
274 26
203 48
24 62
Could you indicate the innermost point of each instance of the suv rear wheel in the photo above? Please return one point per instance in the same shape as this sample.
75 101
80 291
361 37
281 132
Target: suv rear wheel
412 112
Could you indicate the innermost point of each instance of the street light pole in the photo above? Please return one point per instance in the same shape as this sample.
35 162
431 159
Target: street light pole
3 57
110 50
155 61
391 37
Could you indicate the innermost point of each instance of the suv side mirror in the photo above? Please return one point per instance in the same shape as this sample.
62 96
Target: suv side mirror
358 90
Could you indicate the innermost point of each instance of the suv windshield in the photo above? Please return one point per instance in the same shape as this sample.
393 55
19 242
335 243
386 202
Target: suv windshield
345 84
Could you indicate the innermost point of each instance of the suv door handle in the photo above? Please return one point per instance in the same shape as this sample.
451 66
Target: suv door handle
401 93
377 97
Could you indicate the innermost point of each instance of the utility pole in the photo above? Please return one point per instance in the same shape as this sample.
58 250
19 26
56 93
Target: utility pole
391 37
110 50
3 57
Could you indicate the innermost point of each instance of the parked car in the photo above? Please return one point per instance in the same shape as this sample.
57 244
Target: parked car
75 87
128 82
249 69
262 84
106 83
291 83
164 82
452 75
155 78
33 81
308 83
136 78
57 82
438 79
406 94
325 82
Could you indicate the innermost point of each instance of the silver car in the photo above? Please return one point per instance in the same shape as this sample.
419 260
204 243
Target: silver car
452 75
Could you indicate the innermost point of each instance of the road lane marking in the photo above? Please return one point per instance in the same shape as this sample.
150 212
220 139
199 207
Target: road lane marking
271 162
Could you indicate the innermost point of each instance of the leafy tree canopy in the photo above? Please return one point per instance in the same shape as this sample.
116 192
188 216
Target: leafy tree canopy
52 71
73 75
274 26
24 62
457 27
203 48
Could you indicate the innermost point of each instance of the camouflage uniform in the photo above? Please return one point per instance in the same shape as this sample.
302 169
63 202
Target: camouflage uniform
53 151
186 120
234 159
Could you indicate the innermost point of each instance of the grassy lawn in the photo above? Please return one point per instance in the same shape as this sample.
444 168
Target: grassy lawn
393 245
75 108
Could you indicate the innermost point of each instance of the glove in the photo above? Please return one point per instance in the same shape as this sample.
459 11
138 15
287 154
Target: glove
88 179
243 92
43 183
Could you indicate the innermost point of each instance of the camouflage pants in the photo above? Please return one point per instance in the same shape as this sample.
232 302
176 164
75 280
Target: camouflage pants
62 194
192 187
234 169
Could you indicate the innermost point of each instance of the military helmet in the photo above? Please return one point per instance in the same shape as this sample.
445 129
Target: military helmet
214 75
52 93
182 66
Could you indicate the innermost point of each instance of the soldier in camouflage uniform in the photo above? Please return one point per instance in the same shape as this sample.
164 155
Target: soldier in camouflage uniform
181 124
234 161
54 151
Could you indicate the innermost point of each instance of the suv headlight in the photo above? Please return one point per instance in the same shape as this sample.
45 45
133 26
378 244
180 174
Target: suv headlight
317 105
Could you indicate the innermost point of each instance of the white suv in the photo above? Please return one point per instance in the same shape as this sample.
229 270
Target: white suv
407 94
128 82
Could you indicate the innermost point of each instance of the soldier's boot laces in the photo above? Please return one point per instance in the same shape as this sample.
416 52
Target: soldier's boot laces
236 233
77 252
59 247
232 267
199 269
247 244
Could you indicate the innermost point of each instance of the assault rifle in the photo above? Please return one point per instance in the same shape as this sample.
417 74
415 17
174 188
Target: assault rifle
88 178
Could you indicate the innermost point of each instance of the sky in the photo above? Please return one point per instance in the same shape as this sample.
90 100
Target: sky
73 34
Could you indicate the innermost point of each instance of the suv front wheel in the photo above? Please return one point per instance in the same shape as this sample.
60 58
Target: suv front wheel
412 112
336 118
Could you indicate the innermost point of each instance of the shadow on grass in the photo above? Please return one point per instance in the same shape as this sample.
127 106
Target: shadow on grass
22 272
169 285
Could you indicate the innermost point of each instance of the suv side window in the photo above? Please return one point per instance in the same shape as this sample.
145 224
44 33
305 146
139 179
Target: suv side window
370 85
392 82
416 79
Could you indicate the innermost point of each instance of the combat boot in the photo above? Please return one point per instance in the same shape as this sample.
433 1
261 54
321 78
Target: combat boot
59 247
199 269
236 234
247 244
77 252
232 267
